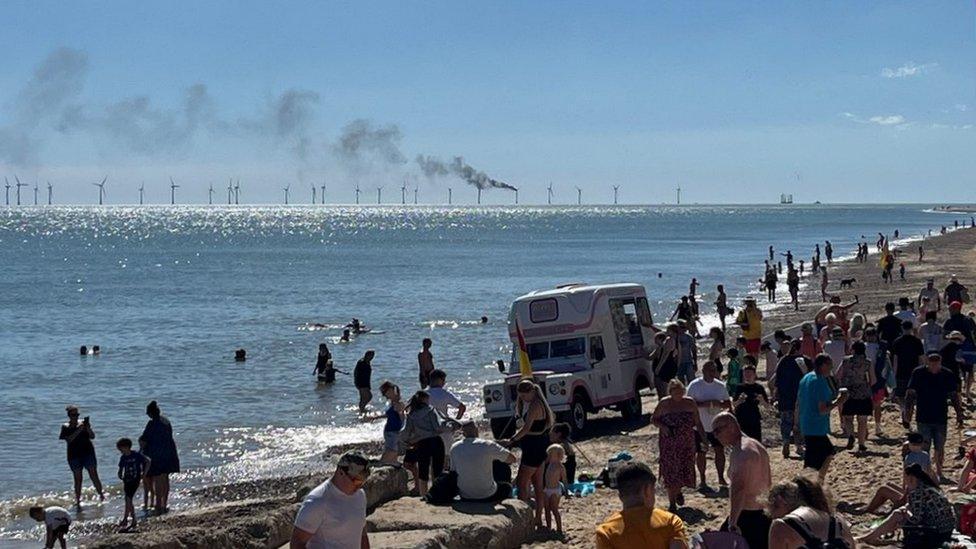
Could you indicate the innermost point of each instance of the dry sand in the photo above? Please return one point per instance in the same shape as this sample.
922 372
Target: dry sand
852 479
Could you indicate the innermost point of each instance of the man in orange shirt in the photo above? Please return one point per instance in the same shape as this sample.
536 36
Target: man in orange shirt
640 525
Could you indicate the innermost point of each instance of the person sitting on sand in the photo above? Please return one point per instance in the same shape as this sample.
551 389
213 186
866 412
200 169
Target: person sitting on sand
333 514
676 416
913 451
472 459
927 508
640 524
750 477
804 517
56 521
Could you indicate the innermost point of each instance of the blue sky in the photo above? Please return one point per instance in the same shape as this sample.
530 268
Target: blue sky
831 101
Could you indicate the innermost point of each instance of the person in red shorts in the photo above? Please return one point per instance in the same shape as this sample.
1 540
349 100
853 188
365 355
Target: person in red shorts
749 321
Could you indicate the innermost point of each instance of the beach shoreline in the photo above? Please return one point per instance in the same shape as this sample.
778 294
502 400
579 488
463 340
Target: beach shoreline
945 254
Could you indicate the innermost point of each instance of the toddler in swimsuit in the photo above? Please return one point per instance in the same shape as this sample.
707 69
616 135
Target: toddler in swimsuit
554 476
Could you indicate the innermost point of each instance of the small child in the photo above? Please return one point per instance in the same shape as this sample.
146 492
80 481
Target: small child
901 270
553 480
560 434
56 520
913 451
132 469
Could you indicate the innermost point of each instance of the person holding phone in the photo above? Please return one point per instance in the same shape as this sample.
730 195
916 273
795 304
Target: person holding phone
81 451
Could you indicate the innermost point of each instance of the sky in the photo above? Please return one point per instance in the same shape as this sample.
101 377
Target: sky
734 103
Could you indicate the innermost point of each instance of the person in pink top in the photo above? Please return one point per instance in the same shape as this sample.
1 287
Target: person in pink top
810 346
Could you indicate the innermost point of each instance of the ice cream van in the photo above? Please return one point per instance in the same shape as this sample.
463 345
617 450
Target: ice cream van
588 346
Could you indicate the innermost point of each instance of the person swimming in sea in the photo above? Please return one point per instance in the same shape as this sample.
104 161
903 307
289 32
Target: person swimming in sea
345 336
357 326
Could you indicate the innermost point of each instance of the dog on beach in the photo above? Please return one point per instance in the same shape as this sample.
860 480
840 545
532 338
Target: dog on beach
848 282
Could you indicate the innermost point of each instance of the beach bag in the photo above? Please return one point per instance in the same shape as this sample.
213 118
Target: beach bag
810 541
443 489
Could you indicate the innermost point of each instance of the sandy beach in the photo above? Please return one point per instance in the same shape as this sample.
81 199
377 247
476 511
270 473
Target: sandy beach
852 478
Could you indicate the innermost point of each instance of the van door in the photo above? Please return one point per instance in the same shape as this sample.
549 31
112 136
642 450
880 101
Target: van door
629 338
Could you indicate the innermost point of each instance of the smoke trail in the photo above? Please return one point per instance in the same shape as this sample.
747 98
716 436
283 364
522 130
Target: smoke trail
433 167
361 142
57 80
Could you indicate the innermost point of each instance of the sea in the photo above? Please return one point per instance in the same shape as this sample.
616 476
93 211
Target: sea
169 293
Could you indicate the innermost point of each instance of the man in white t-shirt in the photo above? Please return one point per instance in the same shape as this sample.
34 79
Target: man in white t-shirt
333 515
712 398
905 313
473 459
441 399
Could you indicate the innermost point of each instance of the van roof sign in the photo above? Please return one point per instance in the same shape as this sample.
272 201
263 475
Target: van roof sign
543 310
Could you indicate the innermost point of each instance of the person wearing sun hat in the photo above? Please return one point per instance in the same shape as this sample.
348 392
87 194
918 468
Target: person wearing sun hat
958 322
334 512
749 320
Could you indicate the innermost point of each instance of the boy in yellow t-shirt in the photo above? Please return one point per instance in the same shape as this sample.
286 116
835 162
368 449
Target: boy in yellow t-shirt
640 524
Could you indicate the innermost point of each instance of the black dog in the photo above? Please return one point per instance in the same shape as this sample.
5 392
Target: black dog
848 282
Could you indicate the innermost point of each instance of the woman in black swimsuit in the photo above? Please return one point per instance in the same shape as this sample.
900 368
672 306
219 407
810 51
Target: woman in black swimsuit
533 438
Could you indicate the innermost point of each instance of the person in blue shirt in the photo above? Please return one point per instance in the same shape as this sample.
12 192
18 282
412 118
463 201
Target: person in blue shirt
816 399
132 469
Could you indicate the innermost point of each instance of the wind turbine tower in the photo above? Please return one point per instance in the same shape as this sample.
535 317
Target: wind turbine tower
450 196
142 190
415 190
172 191
615 189
35 193
678 191
210 195
237 192
19 185
516 197
313 194
357 194
579 196
479 196
403 194
230 191
322 196
379 195
101 190
50 193
549 194
286 187
7 185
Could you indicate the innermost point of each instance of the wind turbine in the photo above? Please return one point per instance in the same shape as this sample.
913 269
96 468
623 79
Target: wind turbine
172 191
479 195
379 195
19 185
210 195
313 194
322 199
285 188
678 191
516 197
35 193
549 193
450 198
579 196
403 193
415 190
142 192
50 193
101 190
615 189
237 192
230 190
7 185
357 193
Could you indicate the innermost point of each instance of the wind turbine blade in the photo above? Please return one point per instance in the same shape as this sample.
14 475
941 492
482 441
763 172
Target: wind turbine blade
18 180
104 179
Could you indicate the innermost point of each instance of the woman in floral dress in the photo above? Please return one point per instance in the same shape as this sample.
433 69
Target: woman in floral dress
676 415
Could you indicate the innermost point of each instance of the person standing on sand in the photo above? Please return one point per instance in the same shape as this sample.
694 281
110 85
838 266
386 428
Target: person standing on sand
712 397
877 353
908 353
829 252
930 332
441 399
889 327
640 524
931 388
771 280
676 417
750 477
693 287
958 322
687 354
81 451
361 377
824 282
956 291
815 400
664 358
810 345
930 292
749 321
785 384
425 360
921 253
722 305
746 401
160 448
533 438
793 285
333 514
856 374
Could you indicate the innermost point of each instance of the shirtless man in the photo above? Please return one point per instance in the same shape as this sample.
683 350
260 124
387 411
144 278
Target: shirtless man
426 362
750 477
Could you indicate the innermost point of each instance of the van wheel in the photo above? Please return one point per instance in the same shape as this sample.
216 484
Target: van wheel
577 415
502 427
632 408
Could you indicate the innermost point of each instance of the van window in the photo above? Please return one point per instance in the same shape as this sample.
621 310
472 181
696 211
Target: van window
597 353
543 310
625 323
644 313
538 351
567 347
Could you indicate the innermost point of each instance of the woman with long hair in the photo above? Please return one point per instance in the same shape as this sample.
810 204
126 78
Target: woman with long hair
532 437
160 447
422 432
801 512
393 415
928 511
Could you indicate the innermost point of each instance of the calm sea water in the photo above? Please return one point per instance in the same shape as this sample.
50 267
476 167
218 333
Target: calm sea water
169 292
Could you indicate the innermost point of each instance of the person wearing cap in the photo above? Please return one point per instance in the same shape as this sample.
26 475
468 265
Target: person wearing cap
908 353
930 389
333 514
904 312
931 293
472 458
930 332
955 291
958 322
749 320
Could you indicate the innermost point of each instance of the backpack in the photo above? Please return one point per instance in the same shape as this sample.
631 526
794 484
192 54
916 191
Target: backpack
443 489
812 542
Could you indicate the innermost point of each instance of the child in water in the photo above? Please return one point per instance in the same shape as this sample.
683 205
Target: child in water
553 480
132 470
56 521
